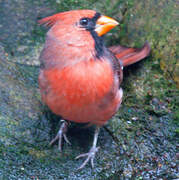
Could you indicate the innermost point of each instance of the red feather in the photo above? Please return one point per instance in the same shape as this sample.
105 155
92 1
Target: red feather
130 56
51 20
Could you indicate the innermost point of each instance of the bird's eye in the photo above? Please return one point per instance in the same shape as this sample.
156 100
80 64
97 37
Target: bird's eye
84 21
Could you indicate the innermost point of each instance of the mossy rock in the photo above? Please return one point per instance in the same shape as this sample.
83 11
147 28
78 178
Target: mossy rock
158 23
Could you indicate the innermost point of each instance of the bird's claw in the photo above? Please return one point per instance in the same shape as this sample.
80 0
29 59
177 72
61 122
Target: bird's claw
60 135
90 156
66 139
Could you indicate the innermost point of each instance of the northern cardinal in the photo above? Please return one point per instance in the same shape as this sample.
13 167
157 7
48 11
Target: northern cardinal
79 77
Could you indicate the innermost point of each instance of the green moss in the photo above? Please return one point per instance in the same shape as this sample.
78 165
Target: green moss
159 29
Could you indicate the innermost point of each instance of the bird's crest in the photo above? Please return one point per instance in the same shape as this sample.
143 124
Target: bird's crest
51 20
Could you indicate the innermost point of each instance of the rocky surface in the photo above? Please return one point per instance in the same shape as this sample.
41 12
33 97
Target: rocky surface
157 23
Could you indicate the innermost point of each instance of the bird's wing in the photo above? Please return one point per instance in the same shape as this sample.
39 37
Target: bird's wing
128 55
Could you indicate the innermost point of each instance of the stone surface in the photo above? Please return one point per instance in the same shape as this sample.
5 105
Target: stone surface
156 22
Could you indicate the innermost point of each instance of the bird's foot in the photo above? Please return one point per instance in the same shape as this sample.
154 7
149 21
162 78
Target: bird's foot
90 157
60 135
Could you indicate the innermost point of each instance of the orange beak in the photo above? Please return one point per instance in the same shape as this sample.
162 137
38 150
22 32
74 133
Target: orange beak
105 24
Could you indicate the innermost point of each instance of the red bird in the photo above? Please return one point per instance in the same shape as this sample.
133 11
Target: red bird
79 77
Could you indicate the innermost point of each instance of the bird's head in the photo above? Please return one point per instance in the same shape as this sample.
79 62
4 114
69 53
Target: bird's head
79 30
81 20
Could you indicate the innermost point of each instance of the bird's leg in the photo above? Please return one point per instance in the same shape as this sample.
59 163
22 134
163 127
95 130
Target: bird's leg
60 135
91 154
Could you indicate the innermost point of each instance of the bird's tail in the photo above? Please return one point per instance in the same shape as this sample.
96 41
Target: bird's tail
130 56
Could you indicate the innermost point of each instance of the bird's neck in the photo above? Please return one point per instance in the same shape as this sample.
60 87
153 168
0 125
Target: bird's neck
87 39
99 44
